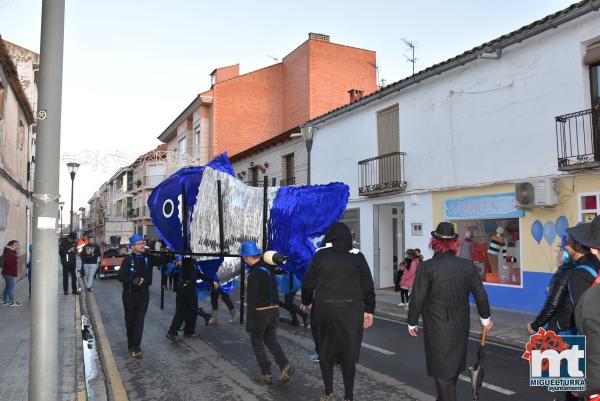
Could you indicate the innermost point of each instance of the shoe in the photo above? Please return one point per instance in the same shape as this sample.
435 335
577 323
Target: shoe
295 323
305 320
264 379
207 318
235 317
173 337
137 354
314 357
330 397
406 307
4 303
401 304
195 334
214 318
14 304
66 292
286 374
90 290
75 292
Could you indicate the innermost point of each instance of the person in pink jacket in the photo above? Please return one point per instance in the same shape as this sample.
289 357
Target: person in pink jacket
408 277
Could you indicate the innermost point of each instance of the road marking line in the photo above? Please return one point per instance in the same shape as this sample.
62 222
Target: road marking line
374 348
489 386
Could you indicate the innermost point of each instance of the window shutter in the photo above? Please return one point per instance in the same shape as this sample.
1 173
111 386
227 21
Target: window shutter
592 54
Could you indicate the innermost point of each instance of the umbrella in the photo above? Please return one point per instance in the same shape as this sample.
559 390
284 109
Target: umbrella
476 371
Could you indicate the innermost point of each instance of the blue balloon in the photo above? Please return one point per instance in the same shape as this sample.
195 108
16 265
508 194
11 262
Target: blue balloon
549 232
561 225
537 231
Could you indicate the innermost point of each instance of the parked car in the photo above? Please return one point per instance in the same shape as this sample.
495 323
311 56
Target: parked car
112 257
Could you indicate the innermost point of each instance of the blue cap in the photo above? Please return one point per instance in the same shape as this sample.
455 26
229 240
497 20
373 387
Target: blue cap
178 258
135 238
249 248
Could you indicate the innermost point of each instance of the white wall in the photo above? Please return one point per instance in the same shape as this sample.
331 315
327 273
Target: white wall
489 121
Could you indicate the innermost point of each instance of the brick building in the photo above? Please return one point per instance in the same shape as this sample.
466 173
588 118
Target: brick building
239 112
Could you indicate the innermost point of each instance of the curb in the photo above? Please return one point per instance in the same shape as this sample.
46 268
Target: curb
473 334
111 371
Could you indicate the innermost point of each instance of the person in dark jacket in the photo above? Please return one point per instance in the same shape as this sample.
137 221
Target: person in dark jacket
587 264
263 314
338 282
557 313
68 259
136 276
10 271
186 301
441 294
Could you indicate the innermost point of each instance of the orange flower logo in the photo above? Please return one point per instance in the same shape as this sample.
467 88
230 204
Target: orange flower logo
544 340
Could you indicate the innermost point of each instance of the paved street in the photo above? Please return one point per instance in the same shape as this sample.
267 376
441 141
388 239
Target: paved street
220 365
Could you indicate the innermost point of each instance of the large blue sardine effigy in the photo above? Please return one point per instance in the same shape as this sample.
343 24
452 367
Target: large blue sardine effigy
296 216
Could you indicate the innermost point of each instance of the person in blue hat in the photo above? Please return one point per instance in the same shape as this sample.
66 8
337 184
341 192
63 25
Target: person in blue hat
136 276
263 314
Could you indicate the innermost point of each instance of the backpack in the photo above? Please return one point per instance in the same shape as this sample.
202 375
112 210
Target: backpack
587 320
594 274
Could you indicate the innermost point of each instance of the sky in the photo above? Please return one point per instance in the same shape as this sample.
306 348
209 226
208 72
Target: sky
131 66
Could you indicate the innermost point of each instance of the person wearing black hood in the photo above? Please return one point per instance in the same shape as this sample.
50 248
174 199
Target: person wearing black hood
338 282
587 263
68 255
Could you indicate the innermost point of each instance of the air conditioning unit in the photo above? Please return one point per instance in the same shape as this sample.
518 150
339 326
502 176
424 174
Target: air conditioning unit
538 193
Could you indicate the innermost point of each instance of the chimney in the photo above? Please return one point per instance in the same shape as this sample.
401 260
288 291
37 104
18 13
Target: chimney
318 36
355 94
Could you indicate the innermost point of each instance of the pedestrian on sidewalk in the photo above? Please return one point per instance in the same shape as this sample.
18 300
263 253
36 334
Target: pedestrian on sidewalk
338 282
215 292
90 259
587 264
441 294
10 271
408 277
263 314
68 256
186 301
136 276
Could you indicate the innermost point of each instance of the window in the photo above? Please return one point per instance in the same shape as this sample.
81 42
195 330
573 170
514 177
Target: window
496 256
182 145
388 130
2 94
589 206
592 59
197 143
351 218
288 170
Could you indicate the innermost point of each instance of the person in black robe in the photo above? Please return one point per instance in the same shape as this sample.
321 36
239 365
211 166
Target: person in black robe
339 284
441 295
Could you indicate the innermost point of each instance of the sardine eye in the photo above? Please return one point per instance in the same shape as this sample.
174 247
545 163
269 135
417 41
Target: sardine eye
168 208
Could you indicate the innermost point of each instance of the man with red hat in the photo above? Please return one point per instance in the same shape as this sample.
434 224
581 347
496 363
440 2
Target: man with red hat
441 295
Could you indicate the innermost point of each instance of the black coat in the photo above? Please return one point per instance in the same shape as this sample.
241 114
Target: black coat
441 294
587 317
339 285
558 309
68 253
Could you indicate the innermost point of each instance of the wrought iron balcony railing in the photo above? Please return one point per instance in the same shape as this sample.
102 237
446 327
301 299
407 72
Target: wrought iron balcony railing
578 140
382 174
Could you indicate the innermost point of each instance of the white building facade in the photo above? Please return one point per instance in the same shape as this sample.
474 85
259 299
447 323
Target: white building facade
453 141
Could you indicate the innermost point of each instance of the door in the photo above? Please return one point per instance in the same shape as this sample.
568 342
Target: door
390 242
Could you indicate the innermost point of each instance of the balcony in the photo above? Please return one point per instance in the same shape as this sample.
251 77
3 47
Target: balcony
148 182
382 175
140 212
578 140
288 181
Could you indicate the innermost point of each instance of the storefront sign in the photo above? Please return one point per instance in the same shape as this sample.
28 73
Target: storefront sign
482 207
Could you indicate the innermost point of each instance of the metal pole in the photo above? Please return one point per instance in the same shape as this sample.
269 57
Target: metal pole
265 205
43 351
71 215
61 226
220 208
242 289
184 217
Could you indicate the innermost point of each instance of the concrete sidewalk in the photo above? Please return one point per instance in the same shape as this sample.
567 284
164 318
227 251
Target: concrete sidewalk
15 324
510 327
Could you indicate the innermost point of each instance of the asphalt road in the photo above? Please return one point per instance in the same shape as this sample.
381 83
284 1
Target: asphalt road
219 365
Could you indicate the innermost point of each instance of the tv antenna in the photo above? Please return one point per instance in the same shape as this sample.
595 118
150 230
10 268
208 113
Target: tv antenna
413 59
273 57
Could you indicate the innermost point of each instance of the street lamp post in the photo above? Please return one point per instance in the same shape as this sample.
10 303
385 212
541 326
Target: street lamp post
308 132
61 205
73 167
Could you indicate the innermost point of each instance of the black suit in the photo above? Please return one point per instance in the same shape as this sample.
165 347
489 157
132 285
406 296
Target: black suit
441 294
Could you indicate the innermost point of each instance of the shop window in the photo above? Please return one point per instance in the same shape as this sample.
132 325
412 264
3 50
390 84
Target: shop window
494 246
588 206
351 218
